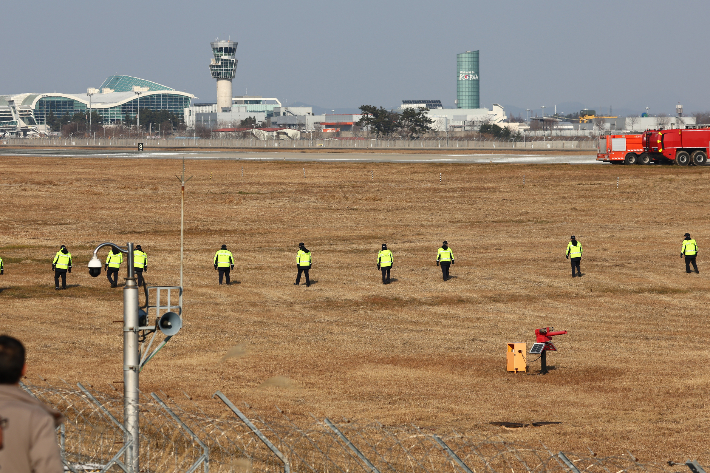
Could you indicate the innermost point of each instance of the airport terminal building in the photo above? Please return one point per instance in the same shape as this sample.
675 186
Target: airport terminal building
113 101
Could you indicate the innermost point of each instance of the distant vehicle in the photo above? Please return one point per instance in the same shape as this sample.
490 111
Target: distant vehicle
589 115
680 146
622 149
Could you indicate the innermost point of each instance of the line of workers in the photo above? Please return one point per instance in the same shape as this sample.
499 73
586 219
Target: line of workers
224 262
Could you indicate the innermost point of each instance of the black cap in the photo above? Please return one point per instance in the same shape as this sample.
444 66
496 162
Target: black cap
687 234
301 245
64 247
446 242
224 247
572 237
384 246
138 247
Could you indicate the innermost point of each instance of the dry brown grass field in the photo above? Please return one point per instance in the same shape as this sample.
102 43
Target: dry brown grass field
631 374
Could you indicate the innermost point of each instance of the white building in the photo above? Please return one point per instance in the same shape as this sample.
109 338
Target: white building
211 115
450 119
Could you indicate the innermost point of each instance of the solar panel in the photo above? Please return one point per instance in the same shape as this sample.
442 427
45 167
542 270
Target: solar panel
537 348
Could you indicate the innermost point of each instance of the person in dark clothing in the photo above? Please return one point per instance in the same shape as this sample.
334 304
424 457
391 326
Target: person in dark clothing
445 258
113 264
690 251
303 264
224 263
61 264
140 264
574 254
385 261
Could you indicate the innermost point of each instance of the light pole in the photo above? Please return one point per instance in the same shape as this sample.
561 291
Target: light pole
527 115
90 92
543 120
169 323
131 354
138 91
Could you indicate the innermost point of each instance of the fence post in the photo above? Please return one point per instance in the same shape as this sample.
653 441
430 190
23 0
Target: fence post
568 462
205 457
257 432
351 446
694 466
126 445
451 453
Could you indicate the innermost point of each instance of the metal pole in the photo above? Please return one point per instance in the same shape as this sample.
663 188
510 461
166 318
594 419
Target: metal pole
543 362
131 363
182 218
451 453
257 432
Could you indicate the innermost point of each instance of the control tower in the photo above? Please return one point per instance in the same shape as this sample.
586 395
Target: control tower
223 68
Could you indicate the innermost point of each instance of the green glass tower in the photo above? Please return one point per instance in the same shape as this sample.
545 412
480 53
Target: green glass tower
467 89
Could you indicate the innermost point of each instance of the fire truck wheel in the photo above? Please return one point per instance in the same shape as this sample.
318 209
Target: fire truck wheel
699 158
682 158
630 158
644 158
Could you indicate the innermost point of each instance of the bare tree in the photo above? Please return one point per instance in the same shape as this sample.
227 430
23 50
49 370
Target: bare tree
702 118
663 121
599 125
633 121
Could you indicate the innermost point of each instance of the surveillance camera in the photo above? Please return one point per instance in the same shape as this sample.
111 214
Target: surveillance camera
94 267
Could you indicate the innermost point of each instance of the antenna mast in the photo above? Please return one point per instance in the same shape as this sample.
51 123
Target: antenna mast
182 220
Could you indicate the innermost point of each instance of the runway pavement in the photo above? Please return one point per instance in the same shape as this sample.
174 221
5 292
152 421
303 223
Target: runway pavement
309 157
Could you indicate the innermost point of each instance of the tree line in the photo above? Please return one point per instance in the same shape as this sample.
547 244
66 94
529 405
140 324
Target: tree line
410 123
79 123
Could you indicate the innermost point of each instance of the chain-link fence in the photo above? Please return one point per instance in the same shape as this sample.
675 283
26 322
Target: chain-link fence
536 143
176 435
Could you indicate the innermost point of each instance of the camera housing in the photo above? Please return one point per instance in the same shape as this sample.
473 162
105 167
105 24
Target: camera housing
94 267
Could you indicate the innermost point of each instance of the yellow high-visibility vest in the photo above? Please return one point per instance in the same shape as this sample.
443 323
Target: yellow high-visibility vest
574 251
385 258
689 248
445 255
223 259
140 259
62 260
114 260
303 258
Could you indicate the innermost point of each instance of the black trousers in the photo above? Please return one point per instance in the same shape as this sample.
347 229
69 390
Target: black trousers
575 264
445 269
385 274
112 276
60 273
139 275
304 270
688 260
223 273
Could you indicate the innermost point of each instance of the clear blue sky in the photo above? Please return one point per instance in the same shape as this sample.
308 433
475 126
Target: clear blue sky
334 54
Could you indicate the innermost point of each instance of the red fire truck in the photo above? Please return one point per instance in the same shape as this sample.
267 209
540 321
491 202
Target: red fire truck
682 146
626 149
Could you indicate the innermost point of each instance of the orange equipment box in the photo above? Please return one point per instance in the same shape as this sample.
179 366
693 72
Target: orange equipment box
517 357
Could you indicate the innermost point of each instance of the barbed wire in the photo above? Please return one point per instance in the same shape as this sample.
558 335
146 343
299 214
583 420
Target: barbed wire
173 430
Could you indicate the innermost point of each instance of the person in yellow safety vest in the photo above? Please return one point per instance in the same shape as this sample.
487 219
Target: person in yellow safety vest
303 263
2 268
223 262
445 258
140 264
385 261
61 264
574 254
690 251
113 264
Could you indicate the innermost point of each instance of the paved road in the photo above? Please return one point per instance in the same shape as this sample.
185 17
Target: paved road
309 157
